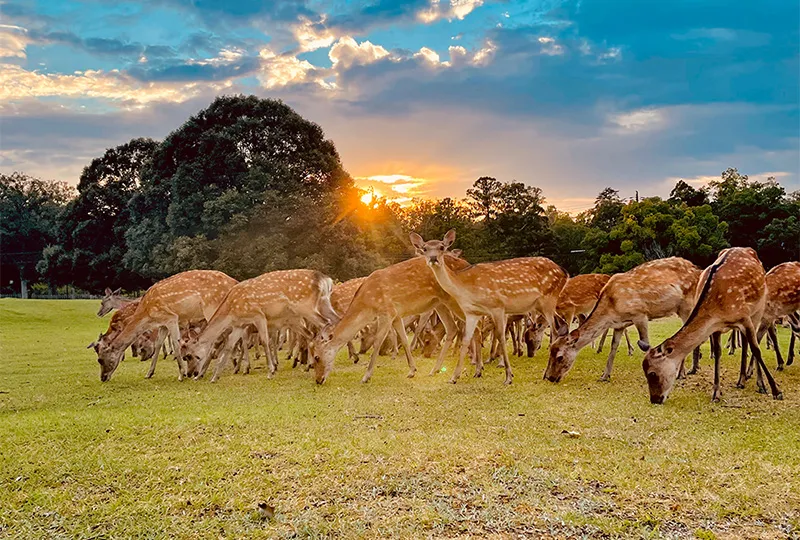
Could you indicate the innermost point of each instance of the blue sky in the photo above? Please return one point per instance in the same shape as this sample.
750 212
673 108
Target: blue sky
423 96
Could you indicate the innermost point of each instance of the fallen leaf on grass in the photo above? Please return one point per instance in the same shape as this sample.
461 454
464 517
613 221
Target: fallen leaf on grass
571 434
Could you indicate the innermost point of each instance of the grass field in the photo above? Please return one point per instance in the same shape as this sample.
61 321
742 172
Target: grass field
396 457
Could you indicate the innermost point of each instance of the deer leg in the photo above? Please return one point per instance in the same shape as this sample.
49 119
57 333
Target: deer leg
615 339
641 327
602 341
772 334
162 335
731 345
244 362
450 333
263 337
696 355
175 338
752 339
499 320
716 352
234 337
469 330
400 330
475 352
382 331
628 342
351 352
790 356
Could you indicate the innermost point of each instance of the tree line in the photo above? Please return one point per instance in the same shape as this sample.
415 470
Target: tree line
248 186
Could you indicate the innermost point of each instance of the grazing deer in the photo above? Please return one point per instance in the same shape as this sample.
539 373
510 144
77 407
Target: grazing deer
731 293
181 299
783 300
495 289
652 290
384 298
111 301
268 302
341 297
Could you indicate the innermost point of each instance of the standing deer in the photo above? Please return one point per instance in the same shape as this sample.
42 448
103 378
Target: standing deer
783 299
384 298
731 293
495 289
181 299
652 290
268 302
341 297
111 301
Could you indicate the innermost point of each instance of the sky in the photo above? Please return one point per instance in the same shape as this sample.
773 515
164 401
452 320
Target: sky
421 97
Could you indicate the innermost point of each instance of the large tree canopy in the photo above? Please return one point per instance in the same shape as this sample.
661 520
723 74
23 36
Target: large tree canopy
92 238
239 154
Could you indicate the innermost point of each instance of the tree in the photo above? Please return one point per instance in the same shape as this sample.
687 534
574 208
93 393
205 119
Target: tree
483 197
607 210
654 228
29 212
752 208
239 155
92 241
684 193
520 225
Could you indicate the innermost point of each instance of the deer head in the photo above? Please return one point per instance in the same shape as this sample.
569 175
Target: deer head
661 365
563 352
433 250
108 302
109 358
322 355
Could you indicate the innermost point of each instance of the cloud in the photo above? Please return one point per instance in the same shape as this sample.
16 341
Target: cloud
454 9
279 70
17 83
13 41
347 52
228 64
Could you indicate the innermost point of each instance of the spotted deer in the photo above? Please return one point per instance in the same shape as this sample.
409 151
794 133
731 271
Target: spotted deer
495 289
384 298
112 300
783 300
270 302
178 300
652 290
731 293
341 297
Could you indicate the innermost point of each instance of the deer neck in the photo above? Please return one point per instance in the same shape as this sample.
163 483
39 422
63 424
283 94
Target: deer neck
447 279
692 334
353 321
593 327
133 328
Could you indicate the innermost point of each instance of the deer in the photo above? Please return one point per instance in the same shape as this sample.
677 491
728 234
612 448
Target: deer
111 301
384 298
653 290
341 297
495 289
731 293
180 299
783 300
576 301
268 302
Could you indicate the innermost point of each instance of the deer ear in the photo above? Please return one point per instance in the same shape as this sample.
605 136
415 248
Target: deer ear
108 292
449 238
416 240
456 252
90 345
118 291
562 329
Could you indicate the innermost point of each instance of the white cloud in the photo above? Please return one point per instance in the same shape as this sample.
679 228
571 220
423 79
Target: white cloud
550 47
17 83
455 9
13 40
428 55
485 54
283 70
639 120
311 36
347 52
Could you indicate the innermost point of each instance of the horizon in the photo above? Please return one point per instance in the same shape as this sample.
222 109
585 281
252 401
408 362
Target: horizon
421 98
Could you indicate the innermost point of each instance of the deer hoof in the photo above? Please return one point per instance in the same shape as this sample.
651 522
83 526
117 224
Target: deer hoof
605 378
643 345
411 374
453 381
692 371
762 390
780 367
507 381
778 396
365 380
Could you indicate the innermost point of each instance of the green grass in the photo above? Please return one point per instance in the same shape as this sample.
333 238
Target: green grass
396 457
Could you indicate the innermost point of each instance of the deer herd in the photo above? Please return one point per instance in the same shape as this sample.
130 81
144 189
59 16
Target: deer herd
205 316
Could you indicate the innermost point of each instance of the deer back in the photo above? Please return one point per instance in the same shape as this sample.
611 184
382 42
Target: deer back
783 290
